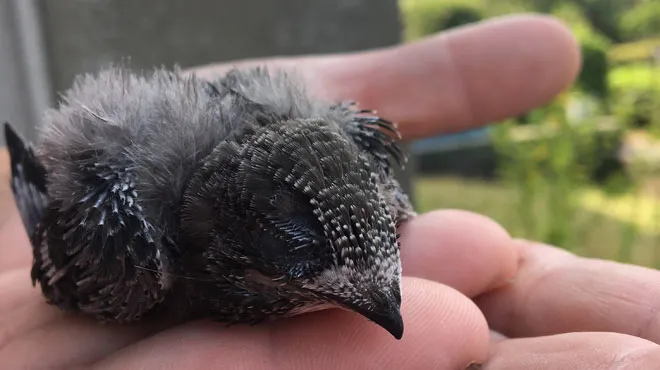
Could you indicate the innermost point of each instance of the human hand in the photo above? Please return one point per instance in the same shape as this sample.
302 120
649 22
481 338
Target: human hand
566 312
449 82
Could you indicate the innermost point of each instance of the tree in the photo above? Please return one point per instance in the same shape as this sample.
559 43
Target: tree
603 15
642 21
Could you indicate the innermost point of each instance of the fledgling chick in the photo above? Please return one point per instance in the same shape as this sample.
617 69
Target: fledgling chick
243 199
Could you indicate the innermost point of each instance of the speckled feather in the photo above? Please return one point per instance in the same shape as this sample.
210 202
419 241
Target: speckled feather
244 199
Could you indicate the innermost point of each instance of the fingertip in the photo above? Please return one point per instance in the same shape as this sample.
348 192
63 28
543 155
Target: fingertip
15 248
428 305
551 39
531 58
442 329
465 250
561 45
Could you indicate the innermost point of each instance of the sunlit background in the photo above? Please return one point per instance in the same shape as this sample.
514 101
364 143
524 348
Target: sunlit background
581 173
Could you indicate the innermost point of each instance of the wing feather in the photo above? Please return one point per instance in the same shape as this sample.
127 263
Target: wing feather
28 180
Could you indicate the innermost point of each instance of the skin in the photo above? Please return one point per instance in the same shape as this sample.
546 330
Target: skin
470 292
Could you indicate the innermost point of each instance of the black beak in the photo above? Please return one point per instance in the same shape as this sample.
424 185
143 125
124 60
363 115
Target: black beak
384 310
389 319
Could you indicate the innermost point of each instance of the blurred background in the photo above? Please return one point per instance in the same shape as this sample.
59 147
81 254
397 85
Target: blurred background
582 172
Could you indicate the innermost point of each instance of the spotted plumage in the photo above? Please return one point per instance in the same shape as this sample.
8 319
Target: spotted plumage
243 199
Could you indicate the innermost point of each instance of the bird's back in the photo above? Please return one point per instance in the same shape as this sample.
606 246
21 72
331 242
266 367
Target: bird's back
160 125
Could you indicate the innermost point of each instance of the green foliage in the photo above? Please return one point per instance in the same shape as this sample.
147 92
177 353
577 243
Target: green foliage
637 91
638 76
596 232
604 15
458 15
545 6
593 75
547 163
615 20
633 52
594 48
638 109
425 17
642 20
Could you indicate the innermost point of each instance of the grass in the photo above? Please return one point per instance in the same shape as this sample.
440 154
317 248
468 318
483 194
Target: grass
641 76
623 228
637 51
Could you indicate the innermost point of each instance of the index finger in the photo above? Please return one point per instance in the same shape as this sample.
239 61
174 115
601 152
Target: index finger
558 292
448 82
444 331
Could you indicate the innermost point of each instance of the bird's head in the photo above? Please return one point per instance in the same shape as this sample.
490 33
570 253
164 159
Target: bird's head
298 206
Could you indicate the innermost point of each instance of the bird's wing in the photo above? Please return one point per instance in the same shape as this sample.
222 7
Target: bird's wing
28 180
379 138
100 255
373 134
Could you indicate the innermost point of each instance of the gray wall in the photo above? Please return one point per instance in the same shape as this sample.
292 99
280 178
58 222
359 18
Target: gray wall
44 44
83 34
24 84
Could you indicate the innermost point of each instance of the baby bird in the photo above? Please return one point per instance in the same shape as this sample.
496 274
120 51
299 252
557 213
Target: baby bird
243 199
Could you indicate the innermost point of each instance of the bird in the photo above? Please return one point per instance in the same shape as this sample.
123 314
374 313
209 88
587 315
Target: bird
244 198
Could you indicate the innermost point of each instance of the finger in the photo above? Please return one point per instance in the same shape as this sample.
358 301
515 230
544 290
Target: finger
21 308
15 249
29 328
557 292
448 82
466 251
585 351
444 330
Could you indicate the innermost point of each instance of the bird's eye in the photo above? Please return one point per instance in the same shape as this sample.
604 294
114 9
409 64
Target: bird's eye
291 214
292 237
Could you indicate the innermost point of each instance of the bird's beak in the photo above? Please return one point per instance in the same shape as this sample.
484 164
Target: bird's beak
385 312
